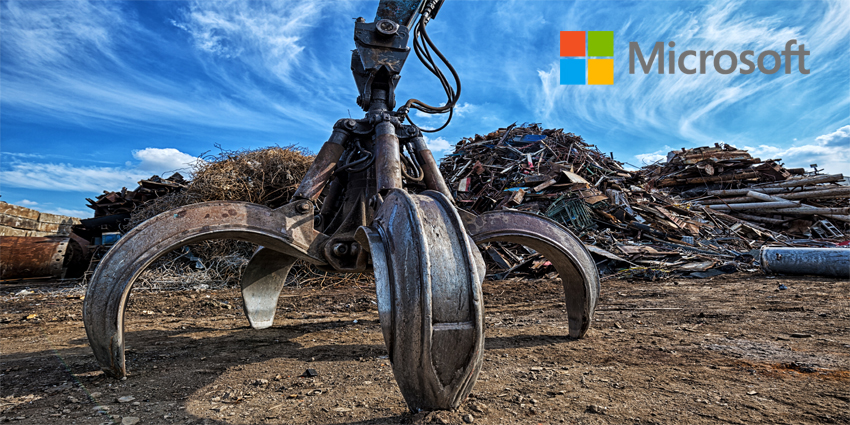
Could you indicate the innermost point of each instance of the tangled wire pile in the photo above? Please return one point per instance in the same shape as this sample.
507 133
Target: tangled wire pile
267 176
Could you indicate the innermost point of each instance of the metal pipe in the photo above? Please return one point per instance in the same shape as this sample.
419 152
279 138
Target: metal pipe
723 178
806 210
786 208
838 192
769 198
782 187
798 208
774 190
387 158
433 179
841 192
827 178
743 192
754 206
814 261
673 181
768 220
322 168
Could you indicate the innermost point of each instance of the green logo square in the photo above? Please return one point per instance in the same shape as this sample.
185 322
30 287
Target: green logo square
600 43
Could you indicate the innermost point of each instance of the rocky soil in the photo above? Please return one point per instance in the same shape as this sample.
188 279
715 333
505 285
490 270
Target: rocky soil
732 349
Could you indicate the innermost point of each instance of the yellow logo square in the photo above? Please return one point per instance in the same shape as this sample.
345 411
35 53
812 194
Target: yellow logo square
600 72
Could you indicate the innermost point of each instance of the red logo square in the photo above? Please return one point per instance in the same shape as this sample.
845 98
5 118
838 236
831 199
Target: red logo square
572 43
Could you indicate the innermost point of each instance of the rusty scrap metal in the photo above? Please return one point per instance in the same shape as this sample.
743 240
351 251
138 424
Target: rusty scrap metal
627 218
124 201
48 256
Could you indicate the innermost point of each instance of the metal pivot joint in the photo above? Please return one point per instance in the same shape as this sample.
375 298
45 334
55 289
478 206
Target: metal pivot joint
373 200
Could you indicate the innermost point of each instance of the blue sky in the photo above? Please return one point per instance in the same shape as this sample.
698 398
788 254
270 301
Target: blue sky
97 95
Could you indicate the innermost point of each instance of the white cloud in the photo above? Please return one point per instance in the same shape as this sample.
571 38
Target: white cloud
840 138
830 151
436 120
652 157
27 202
73 178
464 109
159 161
439 145
23 155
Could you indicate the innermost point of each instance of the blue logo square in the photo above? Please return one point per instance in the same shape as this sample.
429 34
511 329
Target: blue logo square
573 71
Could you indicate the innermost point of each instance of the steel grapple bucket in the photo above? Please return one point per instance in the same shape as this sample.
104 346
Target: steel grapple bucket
372 201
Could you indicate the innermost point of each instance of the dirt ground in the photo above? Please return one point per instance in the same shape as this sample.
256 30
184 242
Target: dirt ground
732 349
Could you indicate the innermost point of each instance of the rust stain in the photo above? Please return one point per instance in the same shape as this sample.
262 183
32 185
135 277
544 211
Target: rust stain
796 371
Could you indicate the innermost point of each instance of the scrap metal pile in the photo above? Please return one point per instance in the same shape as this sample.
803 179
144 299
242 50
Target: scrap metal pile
38 244
702 213
529 169
125 201
751 190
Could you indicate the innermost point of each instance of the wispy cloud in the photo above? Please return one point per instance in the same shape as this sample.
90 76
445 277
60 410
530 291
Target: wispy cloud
701 109
23 155
69 212
27 203
67 177
96 63
267 37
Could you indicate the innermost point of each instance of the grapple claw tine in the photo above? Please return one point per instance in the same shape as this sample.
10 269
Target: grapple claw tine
565 251
261 283
285 230
428 282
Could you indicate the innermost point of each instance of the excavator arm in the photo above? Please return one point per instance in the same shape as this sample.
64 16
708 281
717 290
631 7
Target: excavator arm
382 46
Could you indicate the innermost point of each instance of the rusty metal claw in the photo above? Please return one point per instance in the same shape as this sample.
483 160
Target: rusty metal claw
285 230
566 252
428 282
428 272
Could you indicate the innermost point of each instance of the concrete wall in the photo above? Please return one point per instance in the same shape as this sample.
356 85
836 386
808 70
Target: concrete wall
21 221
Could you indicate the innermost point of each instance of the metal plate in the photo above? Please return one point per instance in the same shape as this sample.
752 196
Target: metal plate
261 284
428 281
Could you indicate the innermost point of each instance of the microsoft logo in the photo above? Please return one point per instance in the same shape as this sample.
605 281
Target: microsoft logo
581 57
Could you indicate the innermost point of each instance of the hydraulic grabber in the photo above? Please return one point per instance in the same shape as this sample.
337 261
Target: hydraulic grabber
386 208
